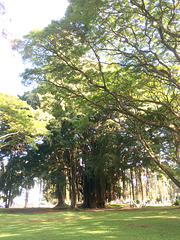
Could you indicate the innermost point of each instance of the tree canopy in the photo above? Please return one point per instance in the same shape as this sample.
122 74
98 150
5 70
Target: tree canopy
19 124
122 54
108 73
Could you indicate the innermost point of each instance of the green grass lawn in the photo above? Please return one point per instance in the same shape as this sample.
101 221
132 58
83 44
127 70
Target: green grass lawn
146 223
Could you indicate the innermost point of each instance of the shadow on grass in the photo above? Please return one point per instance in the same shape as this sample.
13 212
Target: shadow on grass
146 223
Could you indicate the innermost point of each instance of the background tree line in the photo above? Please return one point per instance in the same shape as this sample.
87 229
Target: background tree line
88 158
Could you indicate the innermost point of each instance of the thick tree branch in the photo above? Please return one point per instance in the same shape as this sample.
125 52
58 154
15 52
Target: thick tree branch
8 135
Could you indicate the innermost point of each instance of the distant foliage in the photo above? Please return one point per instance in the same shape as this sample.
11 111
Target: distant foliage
176 202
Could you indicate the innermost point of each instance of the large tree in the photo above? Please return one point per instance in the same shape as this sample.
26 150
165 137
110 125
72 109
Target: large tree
120 56
20 129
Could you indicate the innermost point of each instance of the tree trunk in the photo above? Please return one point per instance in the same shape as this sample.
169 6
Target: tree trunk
73 186
137 188
26 197
120 192
147 183
132 185
94 191
9 200
110 192
124 184
89 192
100 190
61 194
160 193
141 185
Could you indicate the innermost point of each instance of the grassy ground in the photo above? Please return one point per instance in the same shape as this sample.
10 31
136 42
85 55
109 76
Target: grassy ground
37 224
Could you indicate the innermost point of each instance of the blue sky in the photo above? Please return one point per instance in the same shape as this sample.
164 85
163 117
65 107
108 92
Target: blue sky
21 17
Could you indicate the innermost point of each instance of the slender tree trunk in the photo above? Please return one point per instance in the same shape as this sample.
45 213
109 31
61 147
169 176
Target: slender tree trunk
26 196
124 184
120 192
147 183
137 188
9 200
160 193
141 185
108 187
73 186
79 189
110 192
132 184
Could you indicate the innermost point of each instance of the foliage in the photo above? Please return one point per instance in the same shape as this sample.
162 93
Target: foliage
113 57
19 124
31 98
176 202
